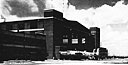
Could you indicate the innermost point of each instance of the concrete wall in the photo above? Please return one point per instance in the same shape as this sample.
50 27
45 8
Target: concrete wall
48 30
55 29
46 23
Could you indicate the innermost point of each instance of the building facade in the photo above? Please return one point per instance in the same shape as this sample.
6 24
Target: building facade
61 34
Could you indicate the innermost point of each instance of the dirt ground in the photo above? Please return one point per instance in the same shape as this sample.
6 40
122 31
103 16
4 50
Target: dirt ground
78 62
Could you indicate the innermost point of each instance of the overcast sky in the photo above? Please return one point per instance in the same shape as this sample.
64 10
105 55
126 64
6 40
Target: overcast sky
84 4
23 8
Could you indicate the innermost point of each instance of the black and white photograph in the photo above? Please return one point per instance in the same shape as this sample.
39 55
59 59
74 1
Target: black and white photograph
63 32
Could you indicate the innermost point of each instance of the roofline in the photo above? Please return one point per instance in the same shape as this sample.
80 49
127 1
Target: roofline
26 19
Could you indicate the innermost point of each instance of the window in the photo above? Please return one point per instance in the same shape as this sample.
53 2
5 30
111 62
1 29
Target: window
93 32
74 41
21 26
83 40
9 26
33 25
40 25
15 26
65 40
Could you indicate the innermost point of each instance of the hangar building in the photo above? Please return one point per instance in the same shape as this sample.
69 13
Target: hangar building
61 34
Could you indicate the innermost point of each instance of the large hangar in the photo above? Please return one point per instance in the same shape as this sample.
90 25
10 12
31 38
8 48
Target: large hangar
61 34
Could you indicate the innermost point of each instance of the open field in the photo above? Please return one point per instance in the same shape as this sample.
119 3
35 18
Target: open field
76 62
83 62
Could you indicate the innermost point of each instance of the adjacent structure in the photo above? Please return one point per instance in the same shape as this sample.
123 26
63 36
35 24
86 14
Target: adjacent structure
95 32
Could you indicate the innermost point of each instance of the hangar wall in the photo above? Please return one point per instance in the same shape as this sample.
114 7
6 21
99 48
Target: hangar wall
62 33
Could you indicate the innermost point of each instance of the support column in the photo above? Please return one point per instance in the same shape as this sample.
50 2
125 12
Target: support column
48 30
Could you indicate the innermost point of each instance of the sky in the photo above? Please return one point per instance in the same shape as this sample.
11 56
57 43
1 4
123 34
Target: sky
111 16
85 4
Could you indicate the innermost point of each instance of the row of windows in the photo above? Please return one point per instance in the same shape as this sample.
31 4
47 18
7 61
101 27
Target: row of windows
74 41
18 27
23 26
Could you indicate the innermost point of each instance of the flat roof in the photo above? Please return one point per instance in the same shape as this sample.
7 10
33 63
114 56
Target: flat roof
26 19
68 23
